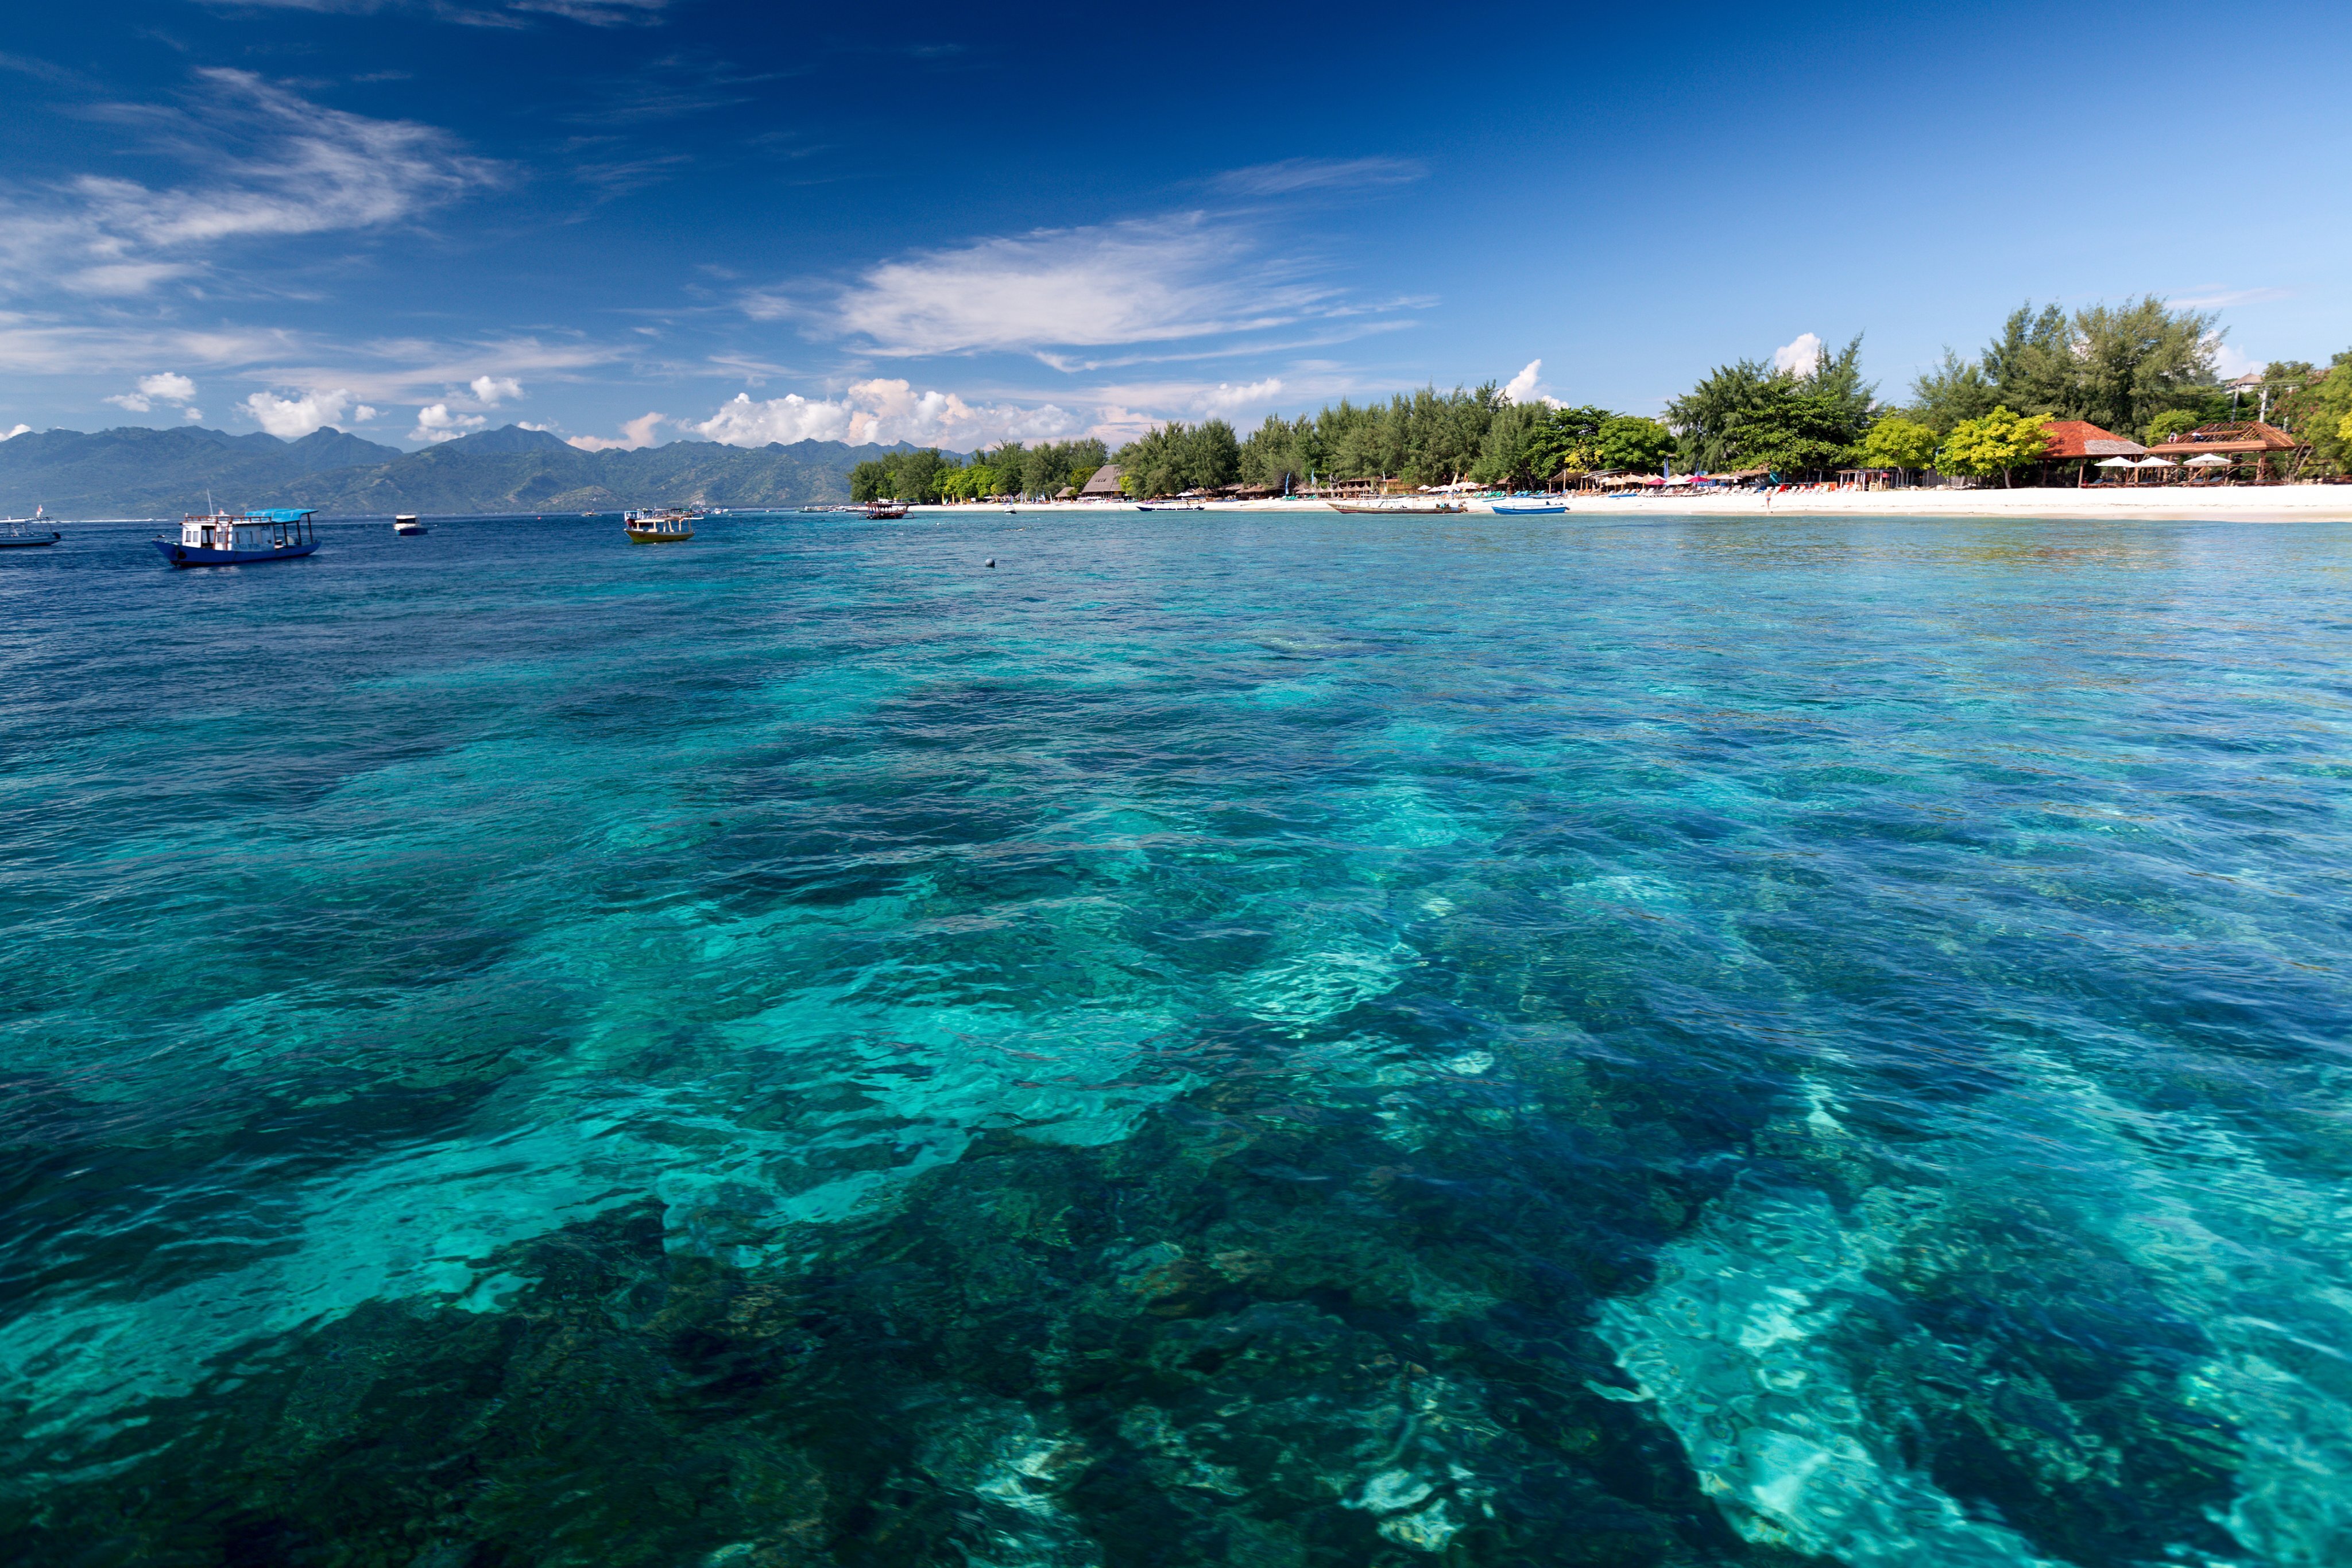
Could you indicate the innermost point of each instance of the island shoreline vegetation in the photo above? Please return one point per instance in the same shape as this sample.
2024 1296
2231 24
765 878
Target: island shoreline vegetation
2144 371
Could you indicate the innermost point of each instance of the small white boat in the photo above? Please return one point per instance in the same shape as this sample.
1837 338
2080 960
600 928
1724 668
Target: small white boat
14 536
406 524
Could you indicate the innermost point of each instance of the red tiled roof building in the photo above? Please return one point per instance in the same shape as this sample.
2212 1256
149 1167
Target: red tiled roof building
2081 438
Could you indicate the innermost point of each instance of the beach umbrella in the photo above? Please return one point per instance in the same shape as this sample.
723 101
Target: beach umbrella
2114 463
2209 460
2157 463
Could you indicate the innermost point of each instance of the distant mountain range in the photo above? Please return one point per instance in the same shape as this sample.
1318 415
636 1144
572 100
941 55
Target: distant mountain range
135 471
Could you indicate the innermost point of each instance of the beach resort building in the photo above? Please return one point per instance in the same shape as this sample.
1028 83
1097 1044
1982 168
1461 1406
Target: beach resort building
2076 449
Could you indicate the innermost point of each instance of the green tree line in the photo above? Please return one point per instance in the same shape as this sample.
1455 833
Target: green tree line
2141 369
930 474
1427 437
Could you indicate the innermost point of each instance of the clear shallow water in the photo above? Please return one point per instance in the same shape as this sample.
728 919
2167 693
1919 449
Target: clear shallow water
1222 1039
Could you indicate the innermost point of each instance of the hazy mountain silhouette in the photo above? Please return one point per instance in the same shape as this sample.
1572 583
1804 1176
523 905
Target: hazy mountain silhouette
133 471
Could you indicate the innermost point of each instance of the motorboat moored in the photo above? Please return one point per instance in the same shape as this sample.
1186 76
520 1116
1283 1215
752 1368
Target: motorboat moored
406 523
223 539
12 534
659 524
1529 508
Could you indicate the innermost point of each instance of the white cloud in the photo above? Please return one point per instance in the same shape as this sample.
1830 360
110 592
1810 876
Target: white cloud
598 13
1801 357
790 418
277 165
48 344
2229 363
421 369
1123 283
526 425
192 414
492 390
1115 424
361 415
884 411
2218 296
636 435
20 430
434 422
1292 174
1521 388
117 279
290 419
163 386
44 343
1225 398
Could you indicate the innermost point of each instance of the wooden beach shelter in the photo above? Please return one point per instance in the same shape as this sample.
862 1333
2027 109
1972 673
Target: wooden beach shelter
2080 443
1104 485
2264 451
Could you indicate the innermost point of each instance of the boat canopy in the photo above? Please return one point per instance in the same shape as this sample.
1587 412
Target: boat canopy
280 514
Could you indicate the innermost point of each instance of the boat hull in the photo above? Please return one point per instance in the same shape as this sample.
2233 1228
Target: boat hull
9 543
649 536
1397 511
180 555
1528 511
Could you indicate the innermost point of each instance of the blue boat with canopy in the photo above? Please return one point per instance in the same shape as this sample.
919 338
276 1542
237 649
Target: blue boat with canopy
224 538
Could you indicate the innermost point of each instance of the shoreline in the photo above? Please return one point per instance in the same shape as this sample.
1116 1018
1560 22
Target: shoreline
2270 503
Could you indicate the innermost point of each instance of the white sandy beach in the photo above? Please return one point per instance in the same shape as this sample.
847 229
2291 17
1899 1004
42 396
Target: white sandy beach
2271 503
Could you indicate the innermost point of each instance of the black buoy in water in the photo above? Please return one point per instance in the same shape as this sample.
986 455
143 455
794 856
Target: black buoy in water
991 560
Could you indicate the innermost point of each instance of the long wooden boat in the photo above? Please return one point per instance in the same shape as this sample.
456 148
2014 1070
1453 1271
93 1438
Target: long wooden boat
1442 507
885 511
658 524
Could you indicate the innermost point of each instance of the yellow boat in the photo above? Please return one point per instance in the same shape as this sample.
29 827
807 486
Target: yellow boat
659 524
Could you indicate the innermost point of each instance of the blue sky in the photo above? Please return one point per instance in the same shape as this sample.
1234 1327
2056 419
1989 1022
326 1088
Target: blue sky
635 220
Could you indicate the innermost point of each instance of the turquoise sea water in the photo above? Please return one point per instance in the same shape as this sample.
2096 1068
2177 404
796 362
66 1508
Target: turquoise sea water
1222 1040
